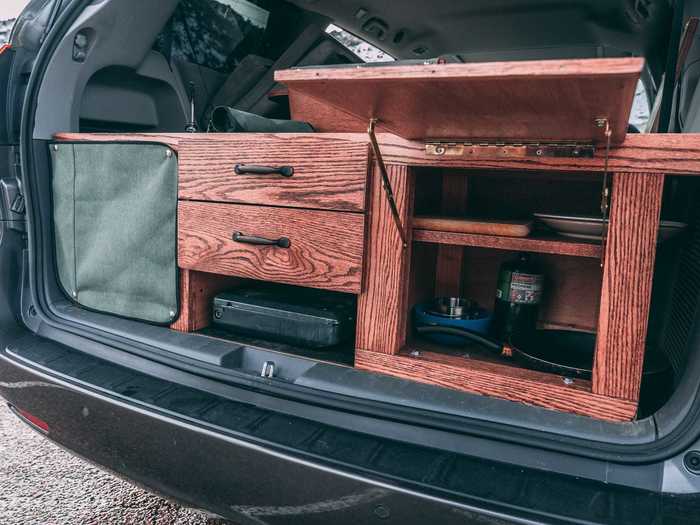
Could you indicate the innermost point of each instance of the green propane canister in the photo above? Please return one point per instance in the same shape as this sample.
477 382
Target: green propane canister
518 297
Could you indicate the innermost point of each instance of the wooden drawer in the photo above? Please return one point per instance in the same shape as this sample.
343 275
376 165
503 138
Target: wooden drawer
325 248
328 173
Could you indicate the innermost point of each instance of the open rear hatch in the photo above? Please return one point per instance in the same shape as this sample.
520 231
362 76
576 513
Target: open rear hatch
503 251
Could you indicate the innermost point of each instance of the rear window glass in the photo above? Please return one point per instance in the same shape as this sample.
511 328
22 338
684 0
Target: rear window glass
214 33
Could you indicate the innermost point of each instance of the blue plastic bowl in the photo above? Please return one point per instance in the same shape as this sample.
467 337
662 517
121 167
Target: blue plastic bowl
422 317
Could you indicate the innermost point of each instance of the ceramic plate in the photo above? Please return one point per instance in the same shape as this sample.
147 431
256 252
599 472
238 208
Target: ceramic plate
591 228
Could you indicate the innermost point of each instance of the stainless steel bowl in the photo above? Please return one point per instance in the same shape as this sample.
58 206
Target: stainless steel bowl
453 307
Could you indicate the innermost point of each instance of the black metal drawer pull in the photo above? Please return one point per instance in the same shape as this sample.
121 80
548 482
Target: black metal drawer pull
252 169
282 242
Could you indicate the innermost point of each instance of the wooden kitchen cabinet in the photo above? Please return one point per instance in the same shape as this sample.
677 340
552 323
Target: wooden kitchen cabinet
475 122
612 301
493 140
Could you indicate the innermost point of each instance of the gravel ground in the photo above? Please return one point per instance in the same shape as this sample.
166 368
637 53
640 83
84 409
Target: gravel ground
42 484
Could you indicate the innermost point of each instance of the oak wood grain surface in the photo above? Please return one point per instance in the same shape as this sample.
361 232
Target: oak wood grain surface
498 71
382 307
473 226
325 252
328 174
669 153
539 244
546 100
448 267
498 380
327 118
627 283
197 290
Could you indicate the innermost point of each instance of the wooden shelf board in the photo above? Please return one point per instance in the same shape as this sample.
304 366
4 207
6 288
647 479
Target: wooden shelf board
553 245
498 380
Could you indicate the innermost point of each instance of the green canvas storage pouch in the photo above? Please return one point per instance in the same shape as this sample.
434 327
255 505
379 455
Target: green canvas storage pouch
115 224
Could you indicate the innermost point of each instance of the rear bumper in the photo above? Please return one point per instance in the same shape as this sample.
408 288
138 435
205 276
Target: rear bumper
221 473
241 459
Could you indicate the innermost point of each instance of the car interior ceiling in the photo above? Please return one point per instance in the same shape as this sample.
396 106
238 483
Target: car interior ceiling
142 84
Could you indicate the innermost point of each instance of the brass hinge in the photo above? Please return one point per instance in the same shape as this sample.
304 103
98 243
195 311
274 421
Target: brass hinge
509 149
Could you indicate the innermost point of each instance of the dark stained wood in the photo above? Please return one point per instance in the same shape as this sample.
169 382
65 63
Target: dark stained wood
539 244
328 174
627 282
197 290
448 269
669 153
547 100
382 307
498 380
325 252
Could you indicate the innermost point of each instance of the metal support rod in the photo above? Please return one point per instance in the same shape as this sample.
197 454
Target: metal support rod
191 125
605 191
386 183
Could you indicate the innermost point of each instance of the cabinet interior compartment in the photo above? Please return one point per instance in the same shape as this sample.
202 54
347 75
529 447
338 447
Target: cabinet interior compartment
453 264
197 292
466 265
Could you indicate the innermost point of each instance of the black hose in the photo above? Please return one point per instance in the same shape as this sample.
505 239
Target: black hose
461 332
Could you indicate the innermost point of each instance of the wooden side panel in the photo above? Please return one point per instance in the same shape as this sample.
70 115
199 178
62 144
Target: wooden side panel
382 306
326 118
328 173
197 290
448 271
499 380
325 247
553 245
627 282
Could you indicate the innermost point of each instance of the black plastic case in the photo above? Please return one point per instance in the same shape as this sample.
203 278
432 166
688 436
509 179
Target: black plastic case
297 316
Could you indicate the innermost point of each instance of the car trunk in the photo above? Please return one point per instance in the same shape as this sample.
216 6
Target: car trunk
138 93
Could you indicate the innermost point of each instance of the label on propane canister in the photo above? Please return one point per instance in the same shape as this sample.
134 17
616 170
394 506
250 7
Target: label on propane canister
520 288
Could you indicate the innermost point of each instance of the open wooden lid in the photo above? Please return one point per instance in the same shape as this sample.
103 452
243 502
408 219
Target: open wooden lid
543 100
